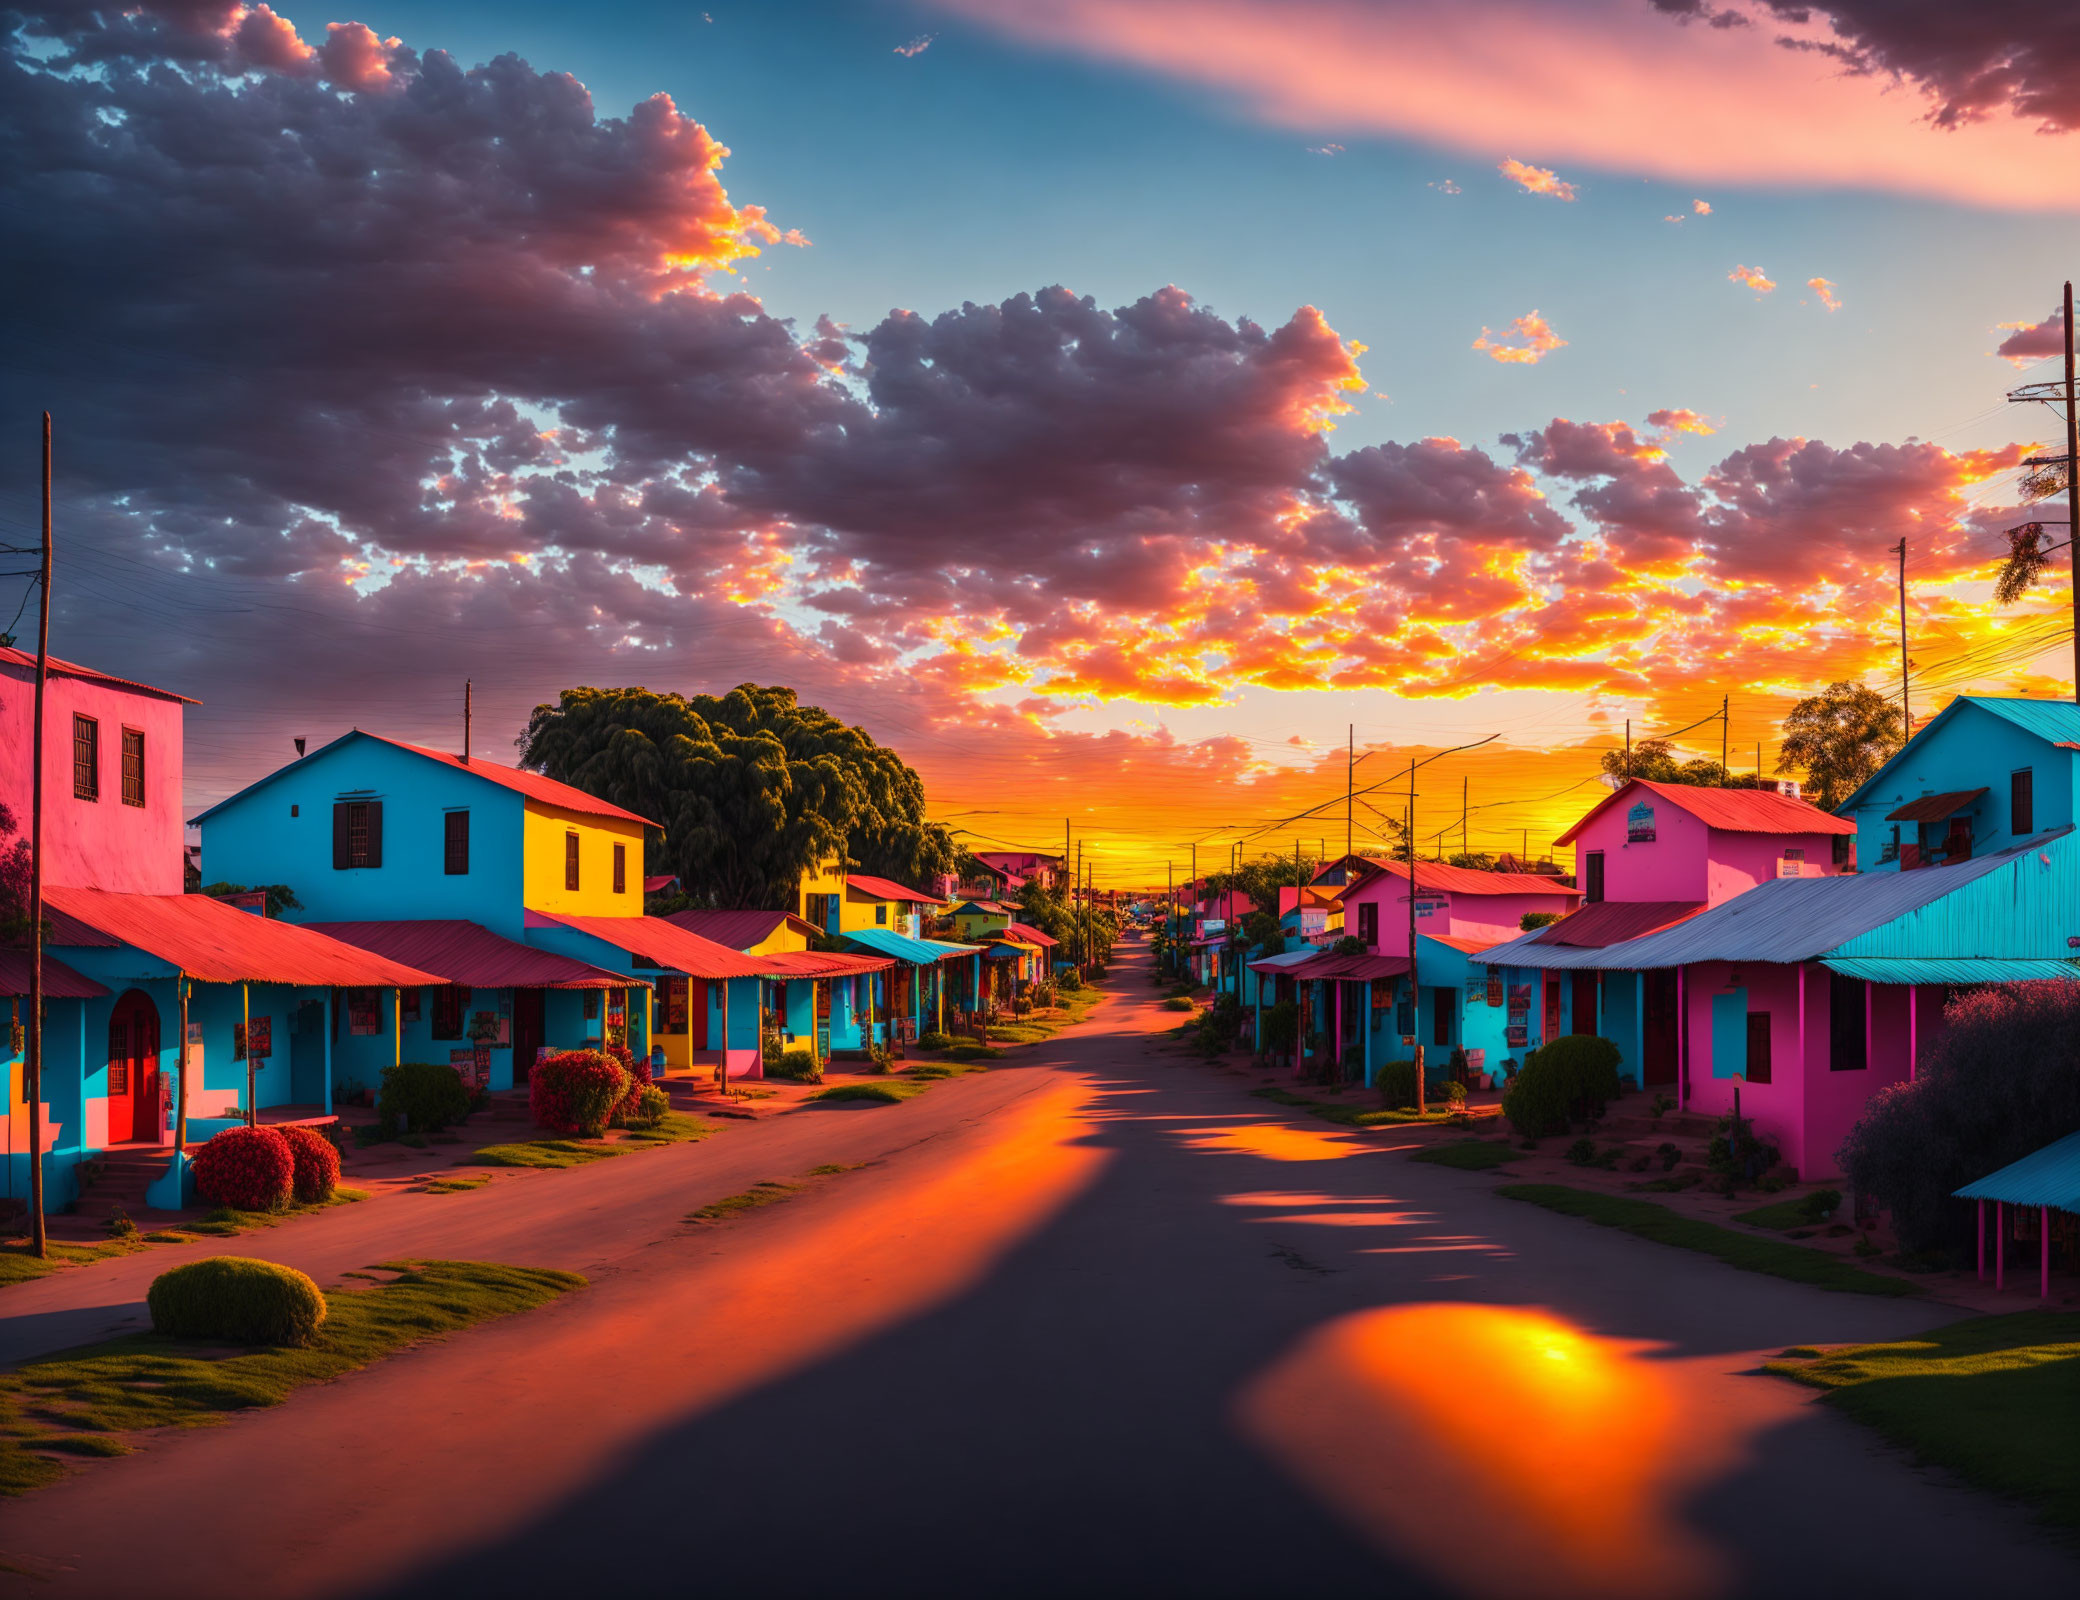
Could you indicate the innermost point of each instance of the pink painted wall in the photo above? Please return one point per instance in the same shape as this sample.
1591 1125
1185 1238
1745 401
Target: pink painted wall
1835 1100
95 844
1687 860
1466 916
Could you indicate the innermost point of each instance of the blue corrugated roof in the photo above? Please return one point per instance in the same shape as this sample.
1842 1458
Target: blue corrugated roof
1939 969
2047 1177
2054 721
918 952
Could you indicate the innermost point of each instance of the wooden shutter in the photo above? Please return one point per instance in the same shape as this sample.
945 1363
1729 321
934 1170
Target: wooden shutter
570 862
1594 885
375 834
340 858
455 844
133 766
621 869
86 758
2022 810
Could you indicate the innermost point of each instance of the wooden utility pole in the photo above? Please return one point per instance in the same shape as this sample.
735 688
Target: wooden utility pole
1350 769
39 1237
1906 710
467 686
1415 988
1724 726
2072 487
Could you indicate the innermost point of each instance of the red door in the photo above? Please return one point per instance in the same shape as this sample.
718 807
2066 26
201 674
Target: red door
529 1032
133 1063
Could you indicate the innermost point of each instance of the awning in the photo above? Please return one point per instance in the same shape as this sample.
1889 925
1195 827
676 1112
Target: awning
212 943
470 954
740 930
660 943
2046 1177
889 889
1953 969
1354 968
918 952
822 964
1283 962
1026 933
1935 807
60 982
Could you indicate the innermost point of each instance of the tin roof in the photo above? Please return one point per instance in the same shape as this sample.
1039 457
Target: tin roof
60 982
670 946
738 929
10 656
1026 933
2057 722
1935 807
918 952
1614 921
2046 1177
470 953
1324 964
888 889
1438 876
1955 969
211 942
822 964
1465 947
1283 962
1730 810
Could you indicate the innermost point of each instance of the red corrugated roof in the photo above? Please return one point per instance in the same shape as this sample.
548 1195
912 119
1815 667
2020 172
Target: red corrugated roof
823 964
12 657
1732 810
1329 965
1614 921
1466 880
1030 934
739 930
60 982
532 784
1934 807
469 953
671 946
215 944
888 889
1466 947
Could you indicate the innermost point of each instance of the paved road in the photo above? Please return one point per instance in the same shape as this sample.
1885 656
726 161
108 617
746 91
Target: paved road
1098 1325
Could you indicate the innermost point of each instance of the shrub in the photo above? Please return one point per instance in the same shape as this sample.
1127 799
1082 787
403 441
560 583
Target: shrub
1536 919
249 1169
1455 1094
2000 1082
317 1163
1069 981
1281 1028
1397 1083
235 1298
1820 1204
934 1040
1670 1154
119 1225
638 1070
421 1097
1582 1153
577 1092
880 1059
1178 1002
798 1065
1573 1076
651 1106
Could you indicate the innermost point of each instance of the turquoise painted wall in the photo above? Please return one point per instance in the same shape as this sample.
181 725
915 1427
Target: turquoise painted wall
1730 1033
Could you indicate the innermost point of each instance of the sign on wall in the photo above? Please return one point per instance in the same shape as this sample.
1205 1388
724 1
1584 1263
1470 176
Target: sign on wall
1432 908
254 1039
1639 824
364 1011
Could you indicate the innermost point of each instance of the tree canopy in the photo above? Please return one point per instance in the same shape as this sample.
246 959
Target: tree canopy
753 789
1658 761
1838 738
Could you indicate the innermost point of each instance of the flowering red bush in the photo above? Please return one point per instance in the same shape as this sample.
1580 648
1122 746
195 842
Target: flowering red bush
317 1163
250 1169
577 1092
638 1070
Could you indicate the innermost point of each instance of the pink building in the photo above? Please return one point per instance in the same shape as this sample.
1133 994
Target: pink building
1676 843
111 775
1450 902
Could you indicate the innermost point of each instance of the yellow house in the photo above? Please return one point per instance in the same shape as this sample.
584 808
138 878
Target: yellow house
880 903
581 864
755 933
820 893
978 919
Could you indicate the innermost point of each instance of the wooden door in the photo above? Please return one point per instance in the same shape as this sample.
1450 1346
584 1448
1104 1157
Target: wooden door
133 1062
697 1014
1659 1054
530 1031
1758 1047
1584 1003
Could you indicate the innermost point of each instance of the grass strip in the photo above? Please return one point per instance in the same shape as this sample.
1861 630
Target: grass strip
1353 1116
1656 1222
18 1264
82 1402
455 1185
759 1194
554 1155
1992 1399
1467 1155
873 1094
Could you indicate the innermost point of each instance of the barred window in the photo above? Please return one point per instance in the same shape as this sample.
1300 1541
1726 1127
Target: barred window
133 766
86 758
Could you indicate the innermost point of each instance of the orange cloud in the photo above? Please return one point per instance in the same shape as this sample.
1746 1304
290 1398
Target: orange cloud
1536 180
1526 342
1753 277
1703 208
1825 288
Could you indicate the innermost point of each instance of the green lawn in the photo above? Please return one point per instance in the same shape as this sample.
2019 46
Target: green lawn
735 1205
1993 1399
82 1402
1787 1214
1468 1155
556 1154
19 1265
1351 1116
1750 1254
873 1094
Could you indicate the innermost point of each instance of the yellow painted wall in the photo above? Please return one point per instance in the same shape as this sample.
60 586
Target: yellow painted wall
857 911
975 924
782 939
543 852
826 878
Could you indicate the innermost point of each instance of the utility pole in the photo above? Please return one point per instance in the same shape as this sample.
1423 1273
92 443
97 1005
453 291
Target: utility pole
1906 710
1724 727
1350 769
1465 812
1628 747
1415 988
467 686
39 1236
2072 486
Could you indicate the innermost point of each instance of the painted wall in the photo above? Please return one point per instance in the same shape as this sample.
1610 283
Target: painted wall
100 843
1686 860
280 831
1972 749
544 831
1490 917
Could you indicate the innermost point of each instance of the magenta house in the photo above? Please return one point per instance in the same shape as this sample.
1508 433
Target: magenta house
1452 902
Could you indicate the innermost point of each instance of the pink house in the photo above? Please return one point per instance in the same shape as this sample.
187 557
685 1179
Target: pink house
1450 902
111 775
1676 843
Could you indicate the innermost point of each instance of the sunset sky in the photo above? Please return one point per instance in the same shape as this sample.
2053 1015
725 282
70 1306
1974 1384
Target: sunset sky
1108 403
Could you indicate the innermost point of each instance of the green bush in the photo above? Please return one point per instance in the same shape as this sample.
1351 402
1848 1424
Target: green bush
1571 1077
421 1097
934 1040
796 1065
1582 1153
652 1104
1397 1083
238 1299
1821 1204
1178 1002
1069 981
1281 1028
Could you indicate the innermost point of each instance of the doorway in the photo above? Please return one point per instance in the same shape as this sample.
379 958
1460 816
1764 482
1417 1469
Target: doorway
133 1068
307 1055
1584 1003
529 1032
1658 1046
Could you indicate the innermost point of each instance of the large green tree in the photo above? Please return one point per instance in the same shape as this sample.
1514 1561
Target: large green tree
1838 738
752 787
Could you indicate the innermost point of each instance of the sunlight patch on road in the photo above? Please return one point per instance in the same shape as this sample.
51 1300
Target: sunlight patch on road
1274 1142
1350 1219
1280 1197
1504 1449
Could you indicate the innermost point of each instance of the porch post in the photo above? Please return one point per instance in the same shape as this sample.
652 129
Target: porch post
1979 1236
1870 1033
397 1026
1802 1029
245 1011
330 1002
722 1062
1682 1038
2000 1244
1913 1030
1336 1042
2043 1252
180 1110
1365 1021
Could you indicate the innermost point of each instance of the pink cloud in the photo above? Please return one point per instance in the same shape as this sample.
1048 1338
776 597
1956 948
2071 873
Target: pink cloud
1754 277
1536 180
1525 342
2029 342
1824 289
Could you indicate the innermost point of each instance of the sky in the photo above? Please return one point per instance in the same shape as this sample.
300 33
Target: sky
1133 411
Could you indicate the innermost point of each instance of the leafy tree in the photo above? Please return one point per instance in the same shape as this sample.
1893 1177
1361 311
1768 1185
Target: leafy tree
1478 860
1657 761
14 876
753 788
280 897
1838 738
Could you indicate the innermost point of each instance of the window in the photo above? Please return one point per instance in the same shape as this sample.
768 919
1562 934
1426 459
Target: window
1592 882
357 834
570 861
1758 1047
86 758
1842 842
1441 1016
450 1001
2022 807
1846 1036
621 869
296 811
133 767
1368 921
455 844
881 912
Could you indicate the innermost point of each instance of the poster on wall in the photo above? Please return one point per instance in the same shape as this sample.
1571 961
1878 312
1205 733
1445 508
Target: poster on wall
1516 1037
1432 908
408 1001
364 1011
1495 992
617 1018
465 1064
1639 824
254 1039
675 1005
